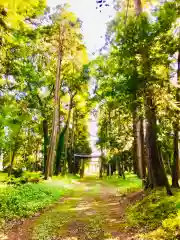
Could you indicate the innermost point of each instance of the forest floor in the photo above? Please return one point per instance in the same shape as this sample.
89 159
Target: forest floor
93 210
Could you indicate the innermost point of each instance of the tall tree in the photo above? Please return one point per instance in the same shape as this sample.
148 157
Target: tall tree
175 167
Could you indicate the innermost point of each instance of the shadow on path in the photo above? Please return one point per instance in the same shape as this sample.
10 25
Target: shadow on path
94 211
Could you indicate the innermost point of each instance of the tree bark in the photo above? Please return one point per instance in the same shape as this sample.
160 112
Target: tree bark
64 170
135 146
72 152
82 168
138 7
11 164
100 167
109 166
156 167
14 152
59 151
175 167
62 142
142 163
159 178
55 120
101 163
119 168
138 148
46 142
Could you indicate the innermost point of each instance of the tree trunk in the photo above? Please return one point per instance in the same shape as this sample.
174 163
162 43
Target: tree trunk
82 168
36 162
73 140
64 170
138 7
159 178
62 143
156 167
14 152
71 148
46 142
12 162
101 164
175 167
69 160
109 166
55 120
59 153
168 158
135 157
142 163
100 167
138 154
119 167
123 169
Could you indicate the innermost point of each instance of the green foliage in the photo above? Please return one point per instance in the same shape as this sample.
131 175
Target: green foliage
27 177
30 35
25 200
152 210
170 230
158 215
131 183
68 178
139 63
3 176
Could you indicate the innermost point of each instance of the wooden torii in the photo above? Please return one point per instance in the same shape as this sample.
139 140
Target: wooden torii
86 156
82 157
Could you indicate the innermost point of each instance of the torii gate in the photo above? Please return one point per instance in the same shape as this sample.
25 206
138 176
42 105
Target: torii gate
86 156
82 157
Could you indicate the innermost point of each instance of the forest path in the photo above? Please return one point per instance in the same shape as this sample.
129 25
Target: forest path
93 211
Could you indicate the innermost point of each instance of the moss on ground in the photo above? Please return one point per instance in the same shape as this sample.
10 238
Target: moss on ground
158 215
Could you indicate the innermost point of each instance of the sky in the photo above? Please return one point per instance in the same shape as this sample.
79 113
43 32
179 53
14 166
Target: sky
94 21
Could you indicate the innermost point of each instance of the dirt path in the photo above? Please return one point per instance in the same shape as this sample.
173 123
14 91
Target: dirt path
94 211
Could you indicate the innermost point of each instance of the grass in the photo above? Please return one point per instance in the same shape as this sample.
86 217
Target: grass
95 221
22 201
130 183
25 200
3 176
157 214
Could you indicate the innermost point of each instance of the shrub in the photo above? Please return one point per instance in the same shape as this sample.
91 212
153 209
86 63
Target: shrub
27 177
170 230
22 201
158 215
152 210
15 172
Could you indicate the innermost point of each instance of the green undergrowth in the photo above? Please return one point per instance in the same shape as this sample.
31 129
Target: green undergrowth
26 177
3 176
25 200
131 183
68 178
158 215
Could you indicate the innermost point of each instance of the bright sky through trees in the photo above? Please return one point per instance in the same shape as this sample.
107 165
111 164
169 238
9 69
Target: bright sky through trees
94 21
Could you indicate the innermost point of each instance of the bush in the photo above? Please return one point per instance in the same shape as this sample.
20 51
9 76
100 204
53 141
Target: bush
158 215
15 172
152 210
23 201
170 230
27 177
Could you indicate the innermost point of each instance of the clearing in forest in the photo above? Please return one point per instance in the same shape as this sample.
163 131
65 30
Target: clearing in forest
93 210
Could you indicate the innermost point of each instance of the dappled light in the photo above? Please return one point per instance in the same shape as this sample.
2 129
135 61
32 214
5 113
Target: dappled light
96 214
